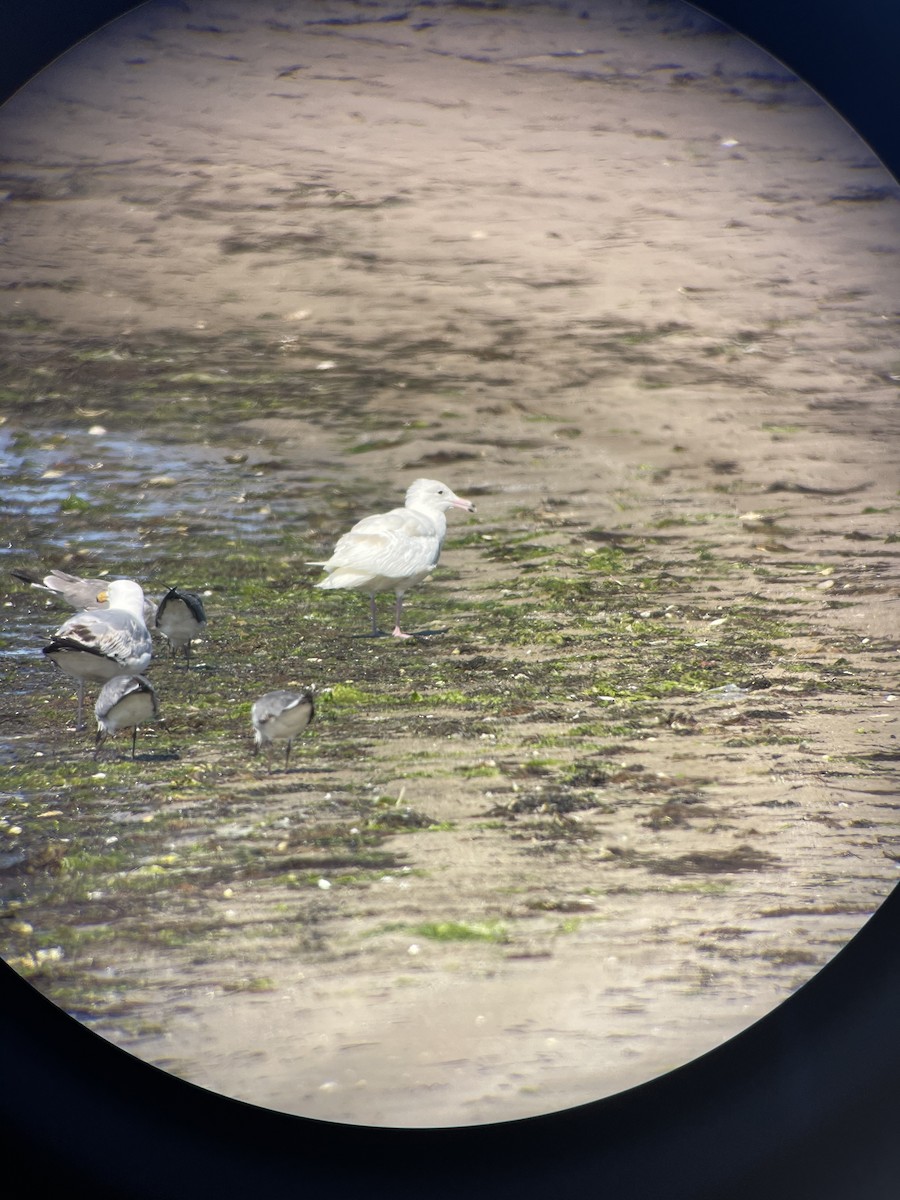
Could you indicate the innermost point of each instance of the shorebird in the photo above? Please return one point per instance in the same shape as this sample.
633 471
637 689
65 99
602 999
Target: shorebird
78 593
180 617
395 550
98 644
280 716
125 702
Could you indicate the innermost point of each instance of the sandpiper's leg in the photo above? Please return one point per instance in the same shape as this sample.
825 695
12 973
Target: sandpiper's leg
133 741
287 753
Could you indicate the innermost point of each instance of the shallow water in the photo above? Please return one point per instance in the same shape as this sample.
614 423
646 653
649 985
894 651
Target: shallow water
127 484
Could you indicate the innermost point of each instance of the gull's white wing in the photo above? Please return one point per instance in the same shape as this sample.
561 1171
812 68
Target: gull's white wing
394 545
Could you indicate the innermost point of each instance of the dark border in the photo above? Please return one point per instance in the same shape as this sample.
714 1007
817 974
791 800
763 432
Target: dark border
804 1105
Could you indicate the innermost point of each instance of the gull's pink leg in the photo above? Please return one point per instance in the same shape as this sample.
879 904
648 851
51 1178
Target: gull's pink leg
398 632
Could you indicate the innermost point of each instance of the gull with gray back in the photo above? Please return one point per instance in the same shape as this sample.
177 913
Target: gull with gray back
77 592
99 644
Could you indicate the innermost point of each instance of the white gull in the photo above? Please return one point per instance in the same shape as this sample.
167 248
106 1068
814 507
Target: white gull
395 550
125 702
98 644
280 716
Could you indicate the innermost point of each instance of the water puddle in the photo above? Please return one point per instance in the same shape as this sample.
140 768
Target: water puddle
126 487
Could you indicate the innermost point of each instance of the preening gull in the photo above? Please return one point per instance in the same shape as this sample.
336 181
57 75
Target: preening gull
98 644
280 716
395 550
180 617
77 592
125 702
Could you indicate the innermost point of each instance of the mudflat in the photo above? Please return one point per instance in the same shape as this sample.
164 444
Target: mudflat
621 280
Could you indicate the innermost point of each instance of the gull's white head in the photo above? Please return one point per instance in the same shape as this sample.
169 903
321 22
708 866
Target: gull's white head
125 594
431 493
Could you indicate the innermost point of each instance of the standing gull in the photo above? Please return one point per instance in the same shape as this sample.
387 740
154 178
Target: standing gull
280 716
125 702
180 618
98 644
395 550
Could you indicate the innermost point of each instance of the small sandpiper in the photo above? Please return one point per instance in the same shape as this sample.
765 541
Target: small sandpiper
125 702
281 716
180 618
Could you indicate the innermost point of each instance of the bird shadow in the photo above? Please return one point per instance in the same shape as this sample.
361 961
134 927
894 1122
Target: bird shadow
415 633
278 772
149 756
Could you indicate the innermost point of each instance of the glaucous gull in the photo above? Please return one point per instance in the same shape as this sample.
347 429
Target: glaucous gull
395 550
